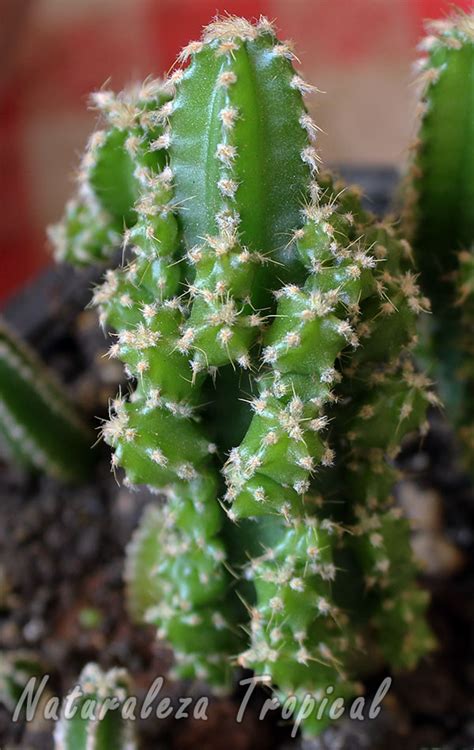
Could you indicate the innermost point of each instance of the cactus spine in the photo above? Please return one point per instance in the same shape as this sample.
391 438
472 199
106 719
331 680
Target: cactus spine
93 720
40 427
248 268
439 195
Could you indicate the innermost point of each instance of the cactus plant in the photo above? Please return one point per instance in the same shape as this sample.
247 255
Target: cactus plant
439 219
93 719
40 426
259 289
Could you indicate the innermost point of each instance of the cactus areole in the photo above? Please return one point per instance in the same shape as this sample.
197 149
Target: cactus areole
265 320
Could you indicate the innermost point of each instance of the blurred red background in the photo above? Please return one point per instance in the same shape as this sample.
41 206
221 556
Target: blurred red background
54 52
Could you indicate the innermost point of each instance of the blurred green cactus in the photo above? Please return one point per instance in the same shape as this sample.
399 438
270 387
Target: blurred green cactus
439 216
266 322
93 719
40 427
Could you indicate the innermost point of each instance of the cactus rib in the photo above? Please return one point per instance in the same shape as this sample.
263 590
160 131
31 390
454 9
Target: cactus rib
40 426
94 720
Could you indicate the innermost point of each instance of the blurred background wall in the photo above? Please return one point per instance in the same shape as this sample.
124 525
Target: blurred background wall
54 52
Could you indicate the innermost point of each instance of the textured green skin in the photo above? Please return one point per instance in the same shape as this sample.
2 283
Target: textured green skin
196 300
161 417
302 370
443 216
138 430
382 399
299 650
108 730
439 215
268 147
178 581
39 426
109 178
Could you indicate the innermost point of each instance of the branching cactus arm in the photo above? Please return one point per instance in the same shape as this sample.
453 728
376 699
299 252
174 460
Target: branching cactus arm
117 159
156 435
158 440
294 637
312 325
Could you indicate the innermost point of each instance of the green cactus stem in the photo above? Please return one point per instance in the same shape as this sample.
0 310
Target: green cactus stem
439 195
111 173
40 427
158 440
148 324
146 342
294 635
312 325
441 192
178 580
259 285
91 721
241 171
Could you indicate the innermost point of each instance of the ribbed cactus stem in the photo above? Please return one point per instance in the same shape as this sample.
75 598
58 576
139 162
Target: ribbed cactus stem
92 721
382 399
178 580
39 424
155 434
313 323
351 299
241 158
158 440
